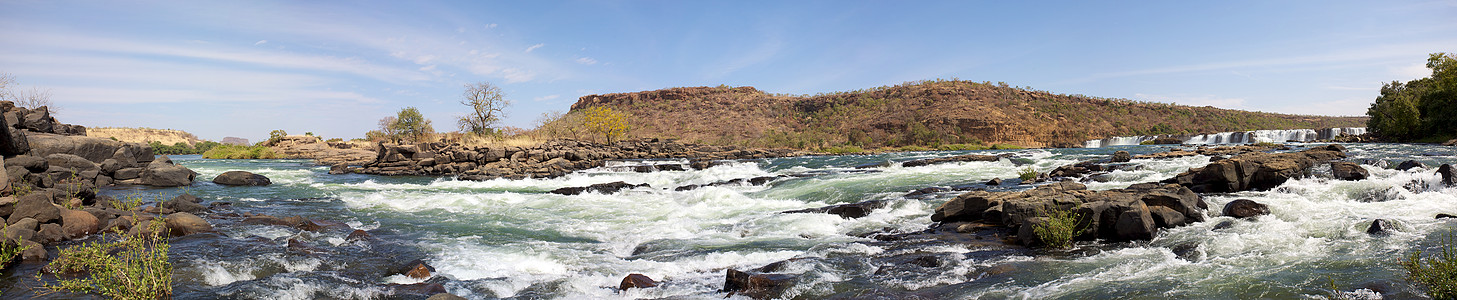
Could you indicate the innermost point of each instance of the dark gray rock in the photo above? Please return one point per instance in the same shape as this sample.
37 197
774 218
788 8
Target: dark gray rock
1410 164
602 188
36 206
241 178
1121 156
1244 208
1380 227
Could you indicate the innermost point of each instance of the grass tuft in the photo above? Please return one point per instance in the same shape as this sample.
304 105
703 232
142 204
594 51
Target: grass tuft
1058 228
1027 174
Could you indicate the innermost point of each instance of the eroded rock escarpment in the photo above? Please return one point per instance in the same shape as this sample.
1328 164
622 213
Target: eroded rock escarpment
324 153
41 153
550 159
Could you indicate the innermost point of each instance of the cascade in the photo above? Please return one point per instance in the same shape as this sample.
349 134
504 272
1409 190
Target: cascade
1238 137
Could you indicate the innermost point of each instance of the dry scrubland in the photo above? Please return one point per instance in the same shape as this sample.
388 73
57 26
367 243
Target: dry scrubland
144 135
924 113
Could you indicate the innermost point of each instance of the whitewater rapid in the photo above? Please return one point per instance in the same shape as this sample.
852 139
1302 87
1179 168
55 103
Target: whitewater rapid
512 239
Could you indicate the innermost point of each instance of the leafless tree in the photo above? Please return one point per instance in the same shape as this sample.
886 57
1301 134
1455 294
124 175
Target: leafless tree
487 105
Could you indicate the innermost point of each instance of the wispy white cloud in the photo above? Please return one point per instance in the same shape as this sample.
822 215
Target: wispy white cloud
547 97
586 61
260 42
533 48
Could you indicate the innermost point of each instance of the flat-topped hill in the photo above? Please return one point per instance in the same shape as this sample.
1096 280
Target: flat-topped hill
144 135
924 113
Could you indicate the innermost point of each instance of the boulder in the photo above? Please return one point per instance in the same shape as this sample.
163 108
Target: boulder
33 251
1245 208
636 281
12 140
24 229
49 233
71 161
76 223
994 182
241 178
1449 174
1380 227
184 203
180 224
1121 156
602 188
419 270
1410 164
127 173
31 163
35 206
7 205
757 286
1348 171
163 173
93 149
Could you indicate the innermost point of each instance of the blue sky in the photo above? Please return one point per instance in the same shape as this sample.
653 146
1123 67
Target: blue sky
243 68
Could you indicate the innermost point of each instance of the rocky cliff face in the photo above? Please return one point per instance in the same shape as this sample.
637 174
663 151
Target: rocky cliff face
921 113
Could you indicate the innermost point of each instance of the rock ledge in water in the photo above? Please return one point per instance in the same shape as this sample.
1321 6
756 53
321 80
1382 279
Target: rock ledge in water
1133 213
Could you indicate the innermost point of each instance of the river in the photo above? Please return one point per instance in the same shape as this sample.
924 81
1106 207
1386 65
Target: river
513 239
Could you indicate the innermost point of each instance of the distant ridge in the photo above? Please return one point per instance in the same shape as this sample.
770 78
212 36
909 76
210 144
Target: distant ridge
144 135
923 113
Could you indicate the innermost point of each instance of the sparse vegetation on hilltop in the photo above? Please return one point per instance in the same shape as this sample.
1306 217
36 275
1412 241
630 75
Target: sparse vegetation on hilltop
145 135
923 114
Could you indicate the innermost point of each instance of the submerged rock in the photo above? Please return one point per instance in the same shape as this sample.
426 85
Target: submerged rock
1410 164
848 211
958 158
635 280
1121 156
1245 208
1380 227
241 178
601 188
757 286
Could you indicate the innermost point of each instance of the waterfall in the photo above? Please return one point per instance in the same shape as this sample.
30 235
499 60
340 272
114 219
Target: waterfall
1238 137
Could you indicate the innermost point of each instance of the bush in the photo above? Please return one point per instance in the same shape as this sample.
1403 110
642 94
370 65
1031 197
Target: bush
9 251
1438 274
1027 174
240 152
129 267
1058 228
842 149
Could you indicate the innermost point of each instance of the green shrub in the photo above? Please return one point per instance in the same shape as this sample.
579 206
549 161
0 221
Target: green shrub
1058 228
240 152
842 149
129 267
9 251
1027 174
1438 274
913 148
1148 142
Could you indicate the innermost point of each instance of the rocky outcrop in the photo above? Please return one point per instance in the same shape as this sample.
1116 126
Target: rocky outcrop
1449 174
323 153
847 211
41 153
959 158
1133 213
550 159
1255 170
600 188
241 178
163 172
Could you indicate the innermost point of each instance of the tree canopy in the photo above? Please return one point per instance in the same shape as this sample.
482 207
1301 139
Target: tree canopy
487 105
410 125
1424 109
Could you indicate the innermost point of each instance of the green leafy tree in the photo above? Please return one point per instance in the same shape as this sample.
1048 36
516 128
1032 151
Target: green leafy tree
1419 109
487 105
411 126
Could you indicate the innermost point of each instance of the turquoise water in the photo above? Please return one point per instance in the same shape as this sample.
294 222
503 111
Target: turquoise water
512 239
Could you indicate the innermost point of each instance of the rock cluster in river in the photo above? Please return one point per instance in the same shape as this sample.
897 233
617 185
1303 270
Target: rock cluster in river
41 153
1255 170
550 159
324 153
1133 213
